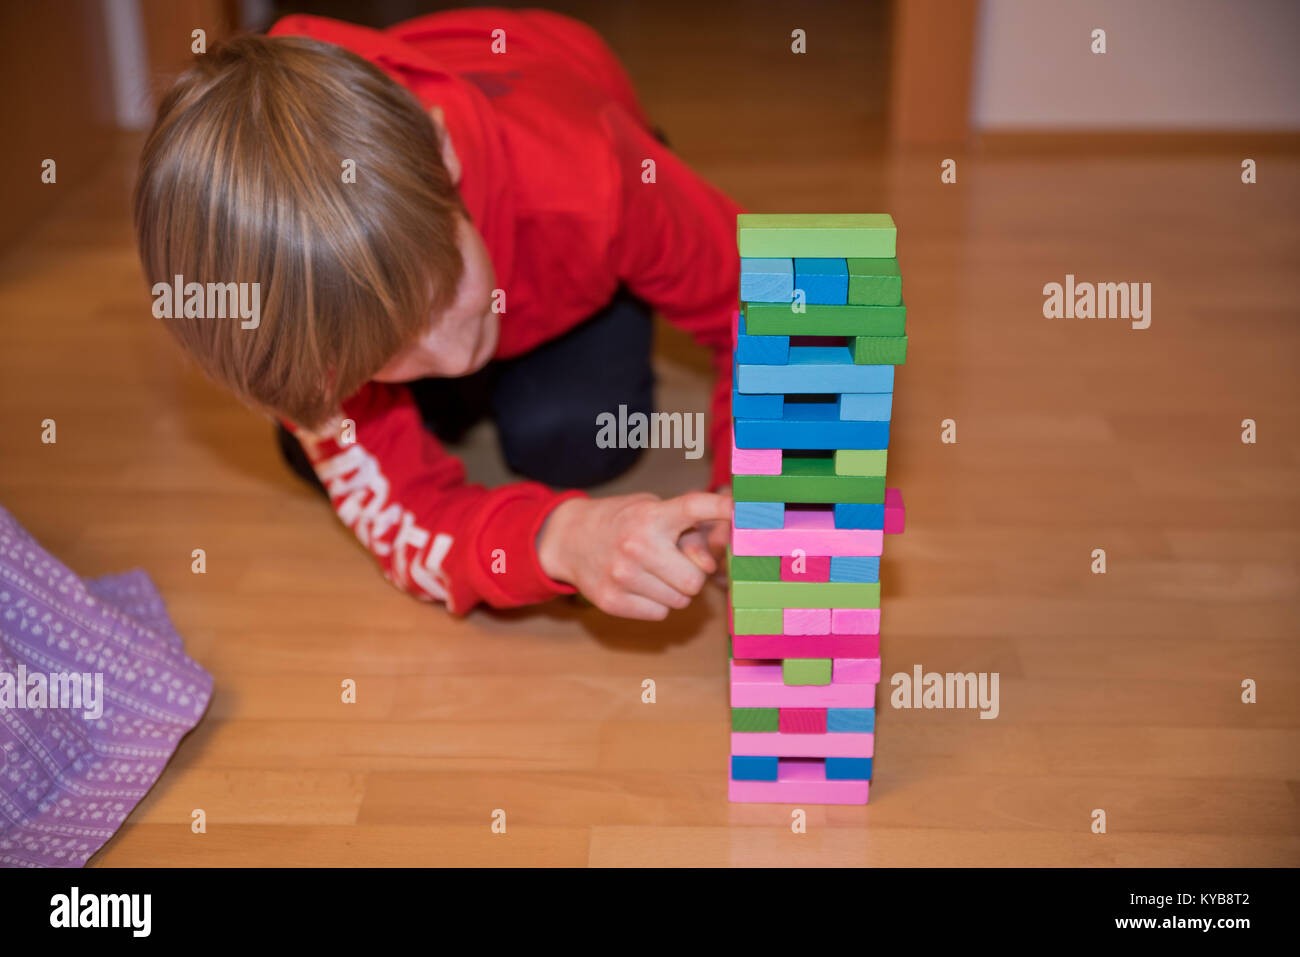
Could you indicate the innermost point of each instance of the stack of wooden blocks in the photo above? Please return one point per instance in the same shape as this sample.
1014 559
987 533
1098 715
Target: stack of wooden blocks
818 333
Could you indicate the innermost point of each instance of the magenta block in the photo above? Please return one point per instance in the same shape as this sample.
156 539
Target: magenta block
807 621
800 721
816 568
894 511
806 646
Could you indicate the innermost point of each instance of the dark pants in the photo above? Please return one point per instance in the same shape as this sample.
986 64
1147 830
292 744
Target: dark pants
545 403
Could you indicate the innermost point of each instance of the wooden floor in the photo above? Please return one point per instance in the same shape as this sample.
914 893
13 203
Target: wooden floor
1118 691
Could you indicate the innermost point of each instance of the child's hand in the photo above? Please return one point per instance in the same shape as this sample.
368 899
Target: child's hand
707 545
622 553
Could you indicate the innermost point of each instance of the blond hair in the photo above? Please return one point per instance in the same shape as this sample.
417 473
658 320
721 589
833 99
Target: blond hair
242 179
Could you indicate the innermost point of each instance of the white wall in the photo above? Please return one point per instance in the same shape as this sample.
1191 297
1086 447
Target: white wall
1170 64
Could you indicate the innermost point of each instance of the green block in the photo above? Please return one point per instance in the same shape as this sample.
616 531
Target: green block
880 350
755 719
778 595
755 568
819 235
875 282
779 319
758 621
860 461
806 671
807 480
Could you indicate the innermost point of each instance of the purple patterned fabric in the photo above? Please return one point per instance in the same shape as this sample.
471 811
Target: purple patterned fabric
69 776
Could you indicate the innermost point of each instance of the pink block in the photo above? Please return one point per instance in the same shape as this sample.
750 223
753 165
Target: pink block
758 684
839 745
799 781
856 670
800 721
894 511
754 461
806 646
813 531
818 569
807 621
855 621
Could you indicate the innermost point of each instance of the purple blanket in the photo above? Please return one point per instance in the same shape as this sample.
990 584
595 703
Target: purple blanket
95 693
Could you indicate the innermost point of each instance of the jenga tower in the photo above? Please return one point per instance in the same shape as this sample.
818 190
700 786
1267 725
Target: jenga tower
819 331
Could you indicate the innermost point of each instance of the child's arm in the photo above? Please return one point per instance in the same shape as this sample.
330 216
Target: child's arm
442 539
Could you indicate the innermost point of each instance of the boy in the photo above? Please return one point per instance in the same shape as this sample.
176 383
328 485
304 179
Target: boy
465 212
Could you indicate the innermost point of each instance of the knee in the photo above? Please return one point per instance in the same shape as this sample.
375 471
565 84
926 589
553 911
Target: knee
563 450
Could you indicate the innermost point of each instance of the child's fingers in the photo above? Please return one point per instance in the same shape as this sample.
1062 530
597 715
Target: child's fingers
695 546
667 563
643 583
626 605
694 508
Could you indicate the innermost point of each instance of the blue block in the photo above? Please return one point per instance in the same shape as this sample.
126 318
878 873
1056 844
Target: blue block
762 515
756 406
810 425
846 568
854 515
753 767
769 280
818 370
866 407
762 350
848 769
825 282
850 719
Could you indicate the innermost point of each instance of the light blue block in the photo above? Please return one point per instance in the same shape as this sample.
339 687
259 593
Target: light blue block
761 350
756 406
761 515
810 425
848 769
845 568
815 369
769 280
865 406
825 282
851 720
753 767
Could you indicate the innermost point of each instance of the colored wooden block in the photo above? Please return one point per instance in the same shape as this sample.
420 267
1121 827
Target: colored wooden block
806 671
841 746
756 406
808 480
864 235
856 671
756 719
760 684
775 319
768 280
805 621
806 646
814 532
849 720
847 768
801 720
812 568
874 282
798 792
764 568
758 461
765 515
815 369
860 462
847 569
866 407
811 425
895 514
765 350
850 621
818 595
824 282
757 621
753 768
850 515
877 350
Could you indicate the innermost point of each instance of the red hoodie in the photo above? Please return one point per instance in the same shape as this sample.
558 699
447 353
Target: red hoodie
552 140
